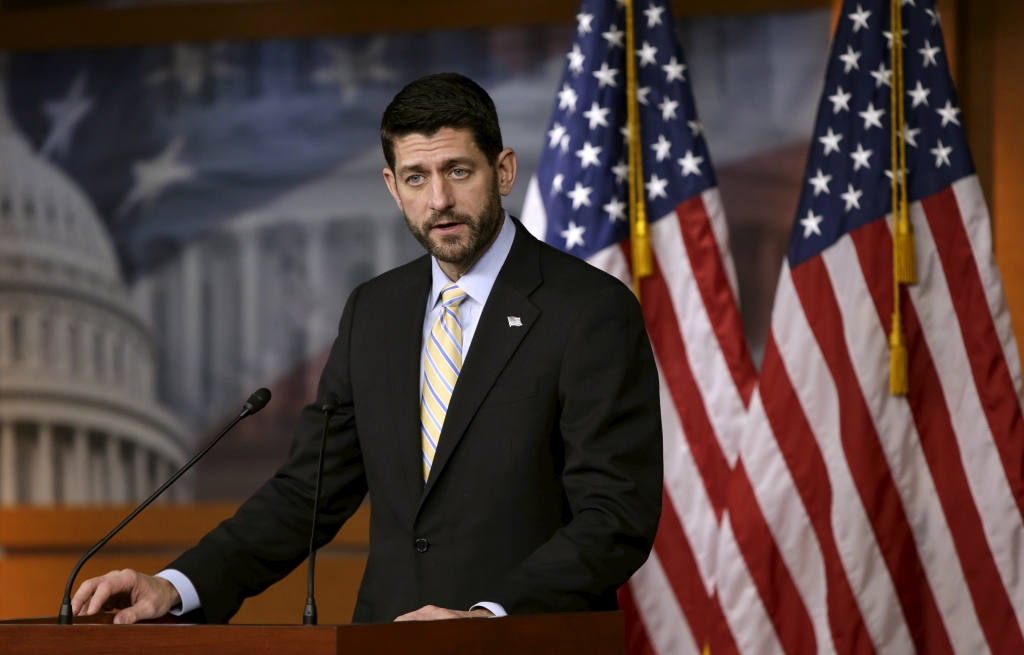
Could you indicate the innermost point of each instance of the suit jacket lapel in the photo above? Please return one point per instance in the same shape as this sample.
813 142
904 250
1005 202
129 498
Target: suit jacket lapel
493 344
405 342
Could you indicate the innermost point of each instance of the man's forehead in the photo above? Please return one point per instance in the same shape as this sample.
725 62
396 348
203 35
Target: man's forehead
447 143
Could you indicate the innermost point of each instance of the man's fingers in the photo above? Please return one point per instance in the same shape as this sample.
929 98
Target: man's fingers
83 594
99 593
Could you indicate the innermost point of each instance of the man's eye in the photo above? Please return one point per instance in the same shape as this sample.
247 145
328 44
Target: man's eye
414 179
460 172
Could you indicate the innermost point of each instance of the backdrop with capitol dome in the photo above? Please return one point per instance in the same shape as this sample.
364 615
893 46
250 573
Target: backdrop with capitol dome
239 184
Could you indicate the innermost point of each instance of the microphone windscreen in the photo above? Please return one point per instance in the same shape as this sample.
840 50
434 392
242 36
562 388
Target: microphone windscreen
331 403
257 401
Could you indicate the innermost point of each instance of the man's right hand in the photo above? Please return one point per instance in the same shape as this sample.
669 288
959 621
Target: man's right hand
137 595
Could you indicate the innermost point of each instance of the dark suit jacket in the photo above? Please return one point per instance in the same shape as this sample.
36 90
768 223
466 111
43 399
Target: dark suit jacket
545 492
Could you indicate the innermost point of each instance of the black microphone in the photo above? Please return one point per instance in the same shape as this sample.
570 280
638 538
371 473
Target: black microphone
256 402
329 407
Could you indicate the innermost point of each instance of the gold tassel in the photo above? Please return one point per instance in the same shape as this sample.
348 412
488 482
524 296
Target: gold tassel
899 376
904 269
903 259
640 240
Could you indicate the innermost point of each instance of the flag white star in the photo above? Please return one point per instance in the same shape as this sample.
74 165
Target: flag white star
904 3
859 18
621 170
606 76
948 114
860 158
616 210
668 109
576 59
852 197
840 101
567 98
934 13
583 23
597 115
661 148
656 187
882 76
919 95
696 127
690 164
65 115
673 70
565 142
624 131
910 135
653 15
850 59
573 235
811 223
872 117
613 36
941 154
888 38
580 195
588 155
641 95
555 134
820 183
556 184
928 52
154 175
646 54
831 141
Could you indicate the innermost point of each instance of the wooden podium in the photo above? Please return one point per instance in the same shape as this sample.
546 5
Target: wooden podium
587 633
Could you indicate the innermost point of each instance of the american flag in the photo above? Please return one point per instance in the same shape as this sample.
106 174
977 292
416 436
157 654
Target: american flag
859 521
577 202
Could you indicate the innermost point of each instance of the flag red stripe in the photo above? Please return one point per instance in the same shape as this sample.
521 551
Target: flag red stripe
867 462
637 641
681 570
720 639
719 301
988 363
768 569
873 244
670 350
810 476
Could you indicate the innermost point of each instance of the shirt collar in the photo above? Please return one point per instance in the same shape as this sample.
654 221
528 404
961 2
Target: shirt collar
477 282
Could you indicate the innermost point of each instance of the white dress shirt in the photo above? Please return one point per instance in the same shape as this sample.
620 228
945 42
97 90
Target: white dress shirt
477 284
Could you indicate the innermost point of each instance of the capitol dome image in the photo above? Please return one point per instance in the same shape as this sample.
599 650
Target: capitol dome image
79 419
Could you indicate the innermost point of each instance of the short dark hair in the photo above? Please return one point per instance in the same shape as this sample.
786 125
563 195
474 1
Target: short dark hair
430 103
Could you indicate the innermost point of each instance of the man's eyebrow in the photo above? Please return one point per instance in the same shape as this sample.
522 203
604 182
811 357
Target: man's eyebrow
448 163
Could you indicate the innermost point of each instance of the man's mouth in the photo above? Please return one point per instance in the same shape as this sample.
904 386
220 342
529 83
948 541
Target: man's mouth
447 227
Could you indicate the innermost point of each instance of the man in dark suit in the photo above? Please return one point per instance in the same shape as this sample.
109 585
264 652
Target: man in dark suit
524 477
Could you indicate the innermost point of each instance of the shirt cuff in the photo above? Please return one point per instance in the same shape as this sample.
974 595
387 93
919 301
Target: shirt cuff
494 608
189 597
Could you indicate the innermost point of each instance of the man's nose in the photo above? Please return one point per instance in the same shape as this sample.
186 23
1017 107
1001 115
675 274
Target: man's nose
440 194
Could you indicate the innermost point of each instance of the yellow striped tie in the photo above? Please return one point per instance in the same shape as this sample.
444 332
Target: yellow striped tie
442 361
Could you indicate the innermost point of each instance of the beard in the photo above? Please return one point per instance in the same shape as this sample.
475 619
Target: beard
461 248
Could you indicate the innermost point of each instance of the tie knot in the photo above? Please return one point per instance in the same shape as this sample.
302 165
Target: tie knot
452 295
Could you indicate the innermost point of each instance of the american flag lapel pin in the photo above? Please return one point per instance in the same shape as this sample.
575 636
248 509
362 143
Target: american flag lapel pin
513 321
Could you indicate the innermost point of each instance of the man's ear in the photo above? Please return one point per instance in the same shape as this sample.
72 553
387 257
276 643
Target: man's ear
505 169
392 182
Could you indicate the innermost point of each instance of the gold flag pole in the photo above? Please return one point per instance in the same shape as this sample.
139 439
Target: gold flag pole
639 234
903 264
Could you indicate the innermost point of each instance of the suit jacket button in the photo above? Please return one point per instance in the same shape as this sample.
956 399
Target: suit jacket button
422 545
